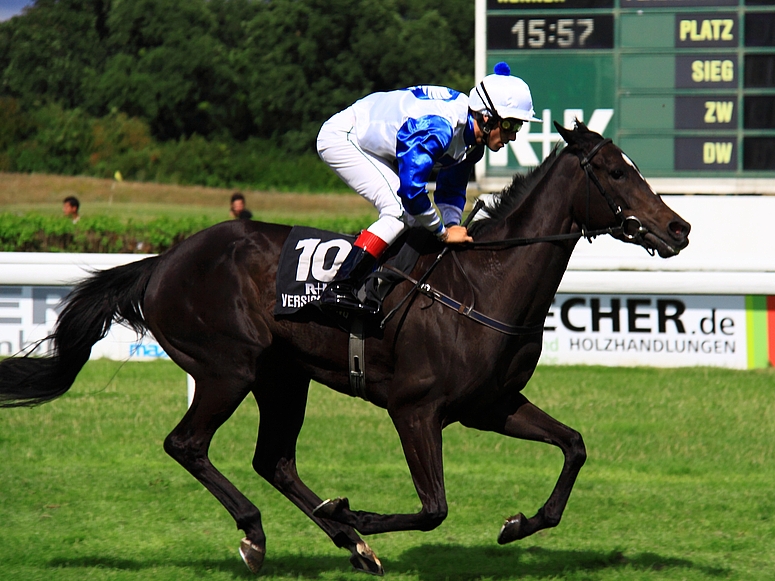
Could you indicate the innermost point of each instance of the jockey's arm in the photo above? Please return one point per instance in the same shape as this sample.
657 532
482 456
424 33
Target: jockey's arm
419 144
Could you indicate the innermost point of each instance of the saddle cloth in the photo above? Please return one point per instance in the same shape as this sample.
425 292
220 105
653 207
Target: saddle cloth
310 259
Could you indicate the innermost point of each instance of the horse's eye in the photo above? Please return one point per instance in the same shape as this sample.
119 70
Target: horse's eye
617 174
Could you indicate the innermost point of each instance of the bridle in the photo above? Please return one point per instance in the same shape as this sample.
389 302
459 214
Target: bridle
468 311
638 231
630 227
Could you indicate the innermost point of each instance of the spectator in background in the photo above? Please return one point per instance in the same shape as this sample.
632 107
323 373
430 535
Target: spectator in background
70 207
238 209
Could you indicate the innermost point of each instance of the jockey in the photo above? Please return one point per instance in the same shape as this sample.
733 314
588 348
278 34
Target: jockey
385 147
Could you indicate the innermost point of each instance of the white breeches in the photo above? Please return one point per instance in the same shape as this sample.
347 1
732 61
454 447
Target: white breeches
370 176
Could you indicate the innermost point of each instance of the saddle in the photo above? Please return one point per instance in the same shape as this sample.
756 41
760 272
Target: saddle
310 259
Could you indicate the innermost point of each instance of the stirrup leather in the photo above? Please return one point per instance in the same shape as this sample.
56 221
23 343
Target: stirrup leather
341 295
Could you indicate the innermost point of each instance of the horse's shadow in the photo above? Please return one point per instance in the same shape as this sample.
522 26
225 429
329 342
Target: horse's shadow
430 562
458 563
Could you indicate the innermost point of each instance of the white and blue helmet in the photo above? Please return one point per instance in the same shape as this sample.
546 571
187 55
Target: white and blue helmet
502 96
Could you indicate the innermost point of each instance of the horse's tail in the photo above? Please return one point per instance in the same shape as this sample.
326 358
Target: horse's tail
113 295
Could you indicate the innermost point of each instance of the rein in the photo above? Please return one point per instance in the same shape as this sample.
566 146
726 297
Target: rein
512 242
585 162
468 311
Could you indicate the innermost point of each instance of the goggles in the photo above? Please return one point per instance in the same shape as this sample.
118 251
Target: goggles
511 125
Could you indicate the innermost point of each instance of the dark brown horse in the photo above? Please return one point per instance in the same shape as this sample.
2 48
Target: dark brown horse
209 302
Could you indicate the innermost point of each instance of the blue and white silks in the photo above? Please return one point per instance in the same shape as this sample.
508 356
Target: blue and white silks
418 129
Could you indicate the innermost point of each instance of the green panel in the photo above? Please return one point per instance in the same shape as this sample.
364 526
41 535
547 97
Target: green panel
647 30
647 71
756 321
563 81
646 112
652 154
560 82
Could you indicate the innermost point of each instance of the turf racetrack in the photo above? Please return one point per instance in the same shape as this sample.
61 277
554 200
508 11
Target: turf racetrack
678 484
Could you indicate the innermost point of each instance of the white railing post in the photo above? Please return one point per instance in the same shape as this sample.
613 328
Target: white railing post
191 385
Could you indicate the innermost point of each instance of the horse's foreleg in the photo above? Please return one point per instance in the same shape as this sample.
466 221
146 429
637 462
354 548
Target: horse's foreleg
282 403
420 434
189 442
529 422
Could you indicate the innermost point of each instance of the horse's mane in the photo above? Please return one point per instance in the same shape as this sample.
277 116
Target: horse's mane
506 201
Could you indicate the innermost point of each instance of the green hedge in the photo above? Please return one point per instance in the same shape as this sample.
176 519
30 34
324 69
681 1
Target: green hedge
39 233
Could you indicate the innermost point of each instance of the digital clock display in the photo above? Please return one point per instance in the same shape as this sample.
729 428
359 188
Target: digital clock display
536 32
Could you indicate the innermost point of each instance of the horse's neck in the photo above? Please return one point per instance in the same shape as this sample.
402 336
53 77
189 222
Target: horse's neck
548 208
531 274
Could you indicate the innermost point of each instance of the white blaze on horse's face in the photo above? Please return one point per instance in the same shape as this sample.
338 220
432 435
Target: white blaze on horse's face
631 163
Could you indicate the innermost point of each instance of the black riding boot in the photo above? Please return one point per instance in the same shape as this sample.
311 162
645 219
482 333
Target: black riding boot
341 291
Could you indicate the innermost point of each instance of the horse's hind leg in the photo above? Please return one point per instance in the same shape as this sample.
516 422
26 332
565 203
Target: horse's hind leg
282 399
529 422
420 432
215 401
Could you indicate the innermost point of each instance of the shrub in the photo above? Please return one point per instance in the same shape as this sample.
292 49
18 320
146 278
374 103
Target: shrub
53 140
105 234
38 233
59 142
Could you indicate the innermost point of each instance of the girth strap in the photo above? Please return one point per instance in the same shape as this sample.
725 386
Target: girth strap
357 359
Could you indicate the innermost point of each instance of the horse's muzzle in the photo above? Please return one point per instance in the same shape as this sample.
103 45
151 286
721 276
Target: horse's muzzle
672 242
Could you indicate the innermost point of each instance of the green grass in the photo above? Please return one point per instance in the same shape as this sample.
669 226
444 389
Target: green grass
141 212
142 202
678 484
144 212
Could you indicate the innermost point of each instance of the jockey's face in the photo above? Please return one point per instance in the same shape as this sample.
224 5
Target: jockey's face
497 138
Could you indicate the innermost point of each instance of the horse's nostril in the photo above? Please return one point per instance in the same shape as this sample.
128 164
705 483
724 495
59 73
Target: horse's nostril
679 229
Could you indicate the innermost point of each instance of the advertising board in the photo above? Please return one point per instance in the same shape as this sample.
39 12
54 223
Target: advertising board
28 315
660 330
581 328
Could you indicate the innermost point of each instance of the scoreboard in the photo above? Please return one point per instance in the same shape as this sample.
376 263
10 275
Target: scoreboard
685 87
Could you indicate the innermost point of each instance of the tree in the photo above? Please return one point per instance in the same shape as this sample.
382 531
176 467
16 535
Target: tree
54 52
166 66
307 59
231 69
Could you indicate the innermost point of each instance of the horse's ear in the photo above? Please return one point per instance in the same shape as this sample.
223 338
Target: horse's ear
581 127
566 134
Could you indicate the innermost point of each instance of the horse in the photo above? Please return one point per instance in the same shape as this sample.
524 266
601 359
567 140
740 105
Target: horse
209 303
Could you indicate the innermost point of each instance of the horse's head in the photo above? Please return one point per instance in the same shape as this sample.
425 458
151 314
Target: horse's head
617 195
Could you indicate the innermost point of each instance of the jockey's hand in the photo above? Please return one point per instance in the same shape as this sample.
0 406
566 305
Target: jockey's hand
457 235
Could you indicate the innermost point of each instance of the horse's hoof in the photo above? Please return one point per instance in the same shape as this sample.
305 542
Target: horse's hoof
364 559
252 554
512 529
331 508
